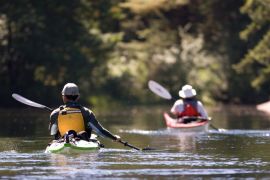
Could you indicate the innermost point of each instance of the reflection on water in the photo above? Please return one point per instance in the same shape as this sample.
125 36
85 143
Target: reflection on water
240 152
174 138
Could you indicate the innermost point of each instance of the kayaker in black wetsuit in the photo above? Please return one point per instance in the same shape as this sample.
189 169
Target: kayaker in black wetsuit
73 116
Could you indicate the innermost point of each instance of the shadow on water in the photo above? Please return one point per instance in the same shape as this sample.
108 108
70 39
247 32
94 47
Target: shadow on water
239 152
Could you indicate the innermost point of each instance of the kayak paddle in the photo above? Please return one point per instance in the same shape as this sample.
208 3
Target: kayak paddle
159 90
29 102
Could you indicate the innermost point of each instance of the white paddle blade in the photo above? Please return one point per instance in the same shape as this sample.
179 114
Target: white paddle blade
159 90
27 101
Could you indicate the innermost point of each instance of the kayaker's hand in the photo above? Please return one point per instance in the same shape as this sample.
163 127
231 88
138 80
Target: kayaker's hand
118 138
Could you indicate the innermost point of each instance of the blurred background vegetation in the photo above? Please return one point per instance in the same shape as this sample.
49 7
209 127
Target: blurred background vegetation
111 49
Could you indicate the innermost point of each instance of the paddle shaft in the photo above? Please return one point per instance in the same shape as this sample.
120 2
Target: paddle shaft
47 108
196 117
129 145
212 126
134 147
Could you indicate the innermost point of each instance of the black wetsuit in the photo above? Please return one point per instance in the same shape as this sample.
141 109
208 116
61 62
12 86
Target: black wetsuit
90 120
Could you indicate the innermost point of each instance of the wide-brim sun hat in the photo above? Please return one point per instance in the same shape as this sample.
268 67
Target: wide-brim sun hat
187 91
70 89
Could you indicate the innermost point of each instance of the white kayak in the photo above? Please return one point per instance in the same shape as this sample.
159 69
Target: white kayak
73 145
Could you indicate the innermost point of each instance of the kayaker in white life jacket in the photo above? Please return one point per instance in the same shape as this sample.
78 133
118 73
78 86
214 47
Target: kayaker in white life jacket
73 116
188 106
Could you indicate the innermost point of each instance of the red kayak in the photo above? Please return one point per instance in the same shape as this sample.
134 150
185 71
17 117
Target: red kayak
198 125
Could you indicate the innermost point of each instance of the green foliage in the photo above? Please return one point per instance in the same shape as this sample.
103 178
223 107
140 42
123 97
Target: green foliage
52 42
220 23
112 48
174 51
256 61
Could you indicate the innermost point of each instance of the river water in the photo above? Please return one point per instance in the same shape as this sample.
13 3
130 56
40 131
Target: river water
240 151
